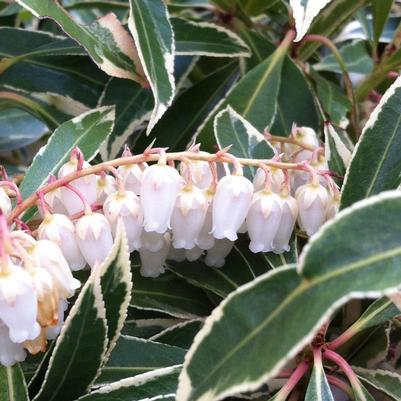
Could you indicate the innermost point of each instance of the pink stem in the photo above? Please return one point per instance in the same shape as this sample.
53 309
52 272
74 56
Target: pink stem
3 240
3 173
117 176
87 206
43 203
268 177
342 364
294 379
79 156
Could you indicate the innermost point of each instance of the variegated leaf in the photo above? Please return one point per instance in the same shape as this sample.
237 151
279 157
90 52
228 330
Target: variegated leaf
12 384
106 41
150 26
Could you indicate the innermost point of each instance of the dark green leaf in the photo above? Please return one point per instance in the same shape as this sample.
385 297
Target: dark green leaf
87 131
12 384
381 10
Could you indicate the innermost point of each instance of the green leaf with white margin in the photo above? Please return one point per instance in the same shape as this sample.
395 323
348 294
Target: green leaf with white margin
360 392
304 11
247 142
179 335
206 39
133 356
116 284
356 57
156 384
377 151
170 295
133 108
337 149
254 97
385 381
106 41
87 131
150 26
336 265
80 347
12 384
318 387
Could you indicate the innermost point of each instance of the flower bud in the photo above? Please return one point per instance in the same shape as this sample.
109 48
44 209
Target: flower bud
5 202
18 304
188 217
230 206
105 186
306 136
276 176
152 263
160 187
59 229
193 254
263 220
151 241
132 176
289 213
55 201
86 185
10 352
201 174
49 256
205 239
125 206
94 238
312 203
216 256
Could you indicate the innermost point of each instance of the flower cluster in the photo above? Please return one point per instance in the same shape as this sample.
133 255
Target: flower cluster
169 213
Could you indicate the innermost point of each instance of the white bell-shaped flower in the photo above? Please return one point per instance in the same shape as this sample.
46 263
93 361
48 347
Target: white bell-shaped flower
18 304
305 136
94 238
201 174
152 263
205 238
151 241
188 217
289 214
312 201
193 254
10 352
216 256
125 205
230 206
5 202
53 331
55 201
87 186
47 296
160 187
60 229
105 186
49 256
263 220
132 176
177 255
276 176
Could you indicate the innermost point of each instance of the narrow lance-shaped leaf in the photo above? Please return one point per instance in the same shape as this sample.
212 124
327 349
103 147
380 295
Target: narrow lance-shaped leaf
12 384
247 142
133 356
150 26
106 41
385 381
304 12
206 39
381 10
79 349
335 267
158 384
116 284
87 131
377 152
254 97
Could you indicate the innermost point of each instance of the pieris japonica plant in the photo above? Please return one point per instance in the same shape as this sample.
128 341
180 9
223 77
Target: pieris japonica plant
200 200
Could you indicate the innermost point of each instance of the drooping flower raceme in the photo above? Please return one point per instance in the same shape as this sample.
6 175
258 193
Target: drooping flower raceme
230 206
160 186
